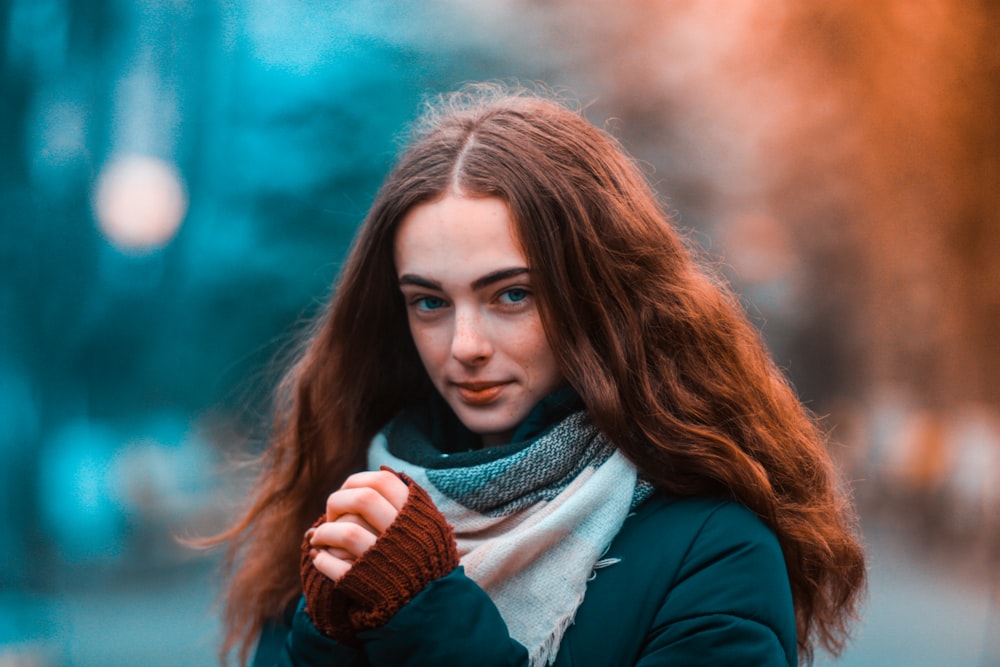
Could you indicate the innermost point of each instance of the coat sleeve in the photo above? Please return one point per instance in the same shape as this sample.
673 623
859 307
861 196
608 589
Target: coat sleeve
302 645
729 603
451 622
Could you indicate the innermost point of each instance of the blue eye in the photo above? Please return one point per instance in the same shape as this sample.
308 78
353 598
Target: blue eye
515 295
429 303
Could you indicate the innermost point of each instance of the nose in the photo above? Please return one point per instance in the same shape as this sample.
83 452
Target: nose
470 343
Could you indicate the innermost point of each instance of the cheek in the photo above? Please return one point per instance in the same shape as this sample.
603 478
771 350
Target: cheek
430 345
539 358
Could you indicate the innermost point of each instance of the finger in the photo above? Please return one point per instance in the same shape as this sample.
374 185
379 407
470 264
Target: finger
350 537
386 482
330 565
363 502
355 519
335 551
341 554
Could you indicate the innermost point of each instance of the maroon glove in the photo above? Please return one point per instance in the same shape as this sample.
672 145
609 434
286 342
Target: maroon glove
417 548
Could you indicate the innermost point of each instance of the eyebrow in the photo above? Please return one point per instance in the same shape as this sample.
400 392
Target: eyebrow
477 284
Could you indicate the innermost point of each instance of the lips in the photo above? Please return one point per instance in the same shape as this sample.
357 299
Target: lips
480 393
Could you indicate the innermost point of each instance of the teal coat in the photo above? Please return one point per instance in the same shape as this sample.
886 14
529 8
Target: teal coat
699 583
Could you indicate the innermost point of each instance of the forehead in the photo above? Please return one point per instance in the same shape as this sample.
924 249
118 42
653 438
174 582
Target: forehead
458 237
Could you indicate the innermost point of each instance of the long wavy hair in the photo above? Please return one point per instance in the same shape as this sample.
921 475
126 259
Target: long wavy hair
669 367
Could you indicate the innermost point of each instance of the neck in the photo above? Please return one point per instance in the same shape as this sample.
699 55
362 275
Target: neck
495 439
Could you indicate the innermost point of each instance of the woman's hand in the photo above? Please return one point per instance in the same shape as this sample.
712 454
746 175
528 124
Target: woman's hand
348 585
356 515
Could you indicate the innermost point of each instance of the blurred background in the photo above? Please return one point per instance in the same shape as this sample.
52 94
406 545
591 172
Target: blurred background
180 180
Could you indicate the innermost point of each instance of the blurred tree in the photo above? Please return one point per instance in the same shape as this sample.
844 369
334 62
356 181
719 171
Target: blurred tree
279 119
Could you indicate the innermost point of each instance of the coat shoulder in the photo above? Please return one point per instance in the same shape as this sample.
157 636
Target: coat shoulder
679 572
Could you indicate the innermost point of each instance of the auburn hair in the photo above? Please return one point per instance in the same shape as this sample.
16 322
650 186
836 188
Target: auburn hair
660 350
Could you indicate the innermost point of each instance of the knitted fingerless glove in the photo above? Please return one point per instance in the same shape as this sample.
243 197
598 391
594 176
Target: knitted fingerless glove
417 548
326 604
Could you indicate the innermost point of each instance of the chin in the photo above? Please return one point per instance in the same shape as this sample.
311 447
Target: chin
488 429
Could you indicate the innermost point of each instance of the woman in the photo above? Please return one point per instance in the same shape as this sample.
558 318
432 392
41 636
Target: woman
574 448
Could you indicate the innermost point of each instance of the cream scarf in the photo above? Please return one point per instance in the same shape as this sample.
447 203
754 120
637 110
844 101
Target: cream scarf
532 522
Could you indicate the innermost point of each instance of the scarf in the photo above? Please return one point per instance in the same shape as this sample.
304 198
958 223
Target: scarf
532 520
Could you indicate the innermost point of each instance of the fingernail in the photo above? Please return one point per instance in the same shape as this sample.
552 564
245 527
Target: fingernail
313 553
310 533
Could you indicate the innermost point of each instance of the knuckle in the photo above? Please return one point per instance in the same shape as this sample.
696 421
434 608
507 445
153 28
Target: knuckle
353 533
368 495
356 478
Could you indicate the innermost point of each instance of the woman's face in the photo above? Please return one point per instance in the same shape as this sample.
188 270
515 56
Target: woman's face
473 314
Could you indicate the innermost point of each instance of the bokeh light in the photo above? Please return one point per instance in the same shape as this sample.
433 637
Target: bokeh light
139 202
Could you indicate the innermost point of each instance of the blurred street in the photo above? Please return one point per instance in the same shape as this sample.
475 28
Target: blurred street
923 612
